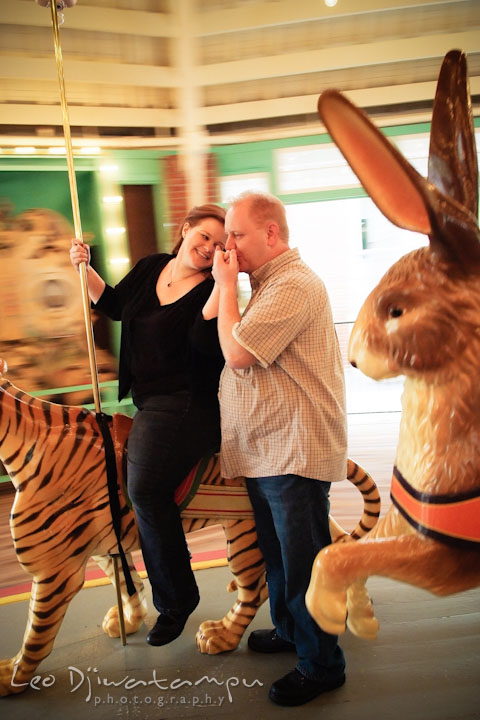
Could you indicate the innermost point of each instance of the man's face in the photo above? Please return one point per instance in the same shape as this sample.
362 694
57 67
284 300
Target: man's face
243 235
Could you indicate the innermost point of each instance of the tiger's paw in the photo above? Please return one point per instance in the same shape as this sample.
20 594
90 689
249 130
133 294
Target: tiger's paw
111 623
214 637
11 680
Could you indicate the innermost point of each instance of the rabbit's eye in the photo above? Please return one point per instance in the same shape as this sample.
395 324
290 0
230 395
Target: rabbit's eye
395 312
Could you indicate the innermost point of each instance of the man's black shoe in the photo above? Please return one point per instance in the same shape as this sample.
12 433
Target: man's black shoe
296 689
267 641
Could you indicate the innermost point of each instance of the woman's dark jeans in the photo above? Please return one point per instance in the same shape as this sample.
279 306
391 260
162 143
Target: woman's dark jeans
291 515
169 435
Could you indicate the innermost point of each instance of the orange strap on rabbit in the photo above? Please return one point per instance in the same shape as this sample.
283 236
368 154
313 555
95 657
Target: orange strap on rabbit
453 519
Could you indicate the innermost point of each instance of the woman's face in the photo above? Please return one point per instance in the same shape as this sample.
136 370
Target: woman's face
200 241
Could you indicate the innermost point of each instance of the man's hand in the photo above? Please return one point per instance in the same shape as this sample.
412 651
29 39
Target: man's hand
225 268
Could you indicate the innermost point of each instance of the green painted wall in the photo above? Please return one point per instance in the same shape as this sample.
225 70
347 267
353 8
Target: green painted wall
39 181
43 181
23 190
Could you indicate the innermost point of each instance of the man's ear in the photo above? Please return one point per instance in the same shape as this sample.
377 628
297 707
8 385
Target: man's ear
272 233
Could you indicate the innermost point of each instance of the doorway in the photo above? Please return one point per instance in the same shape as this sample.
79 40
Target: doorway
140 219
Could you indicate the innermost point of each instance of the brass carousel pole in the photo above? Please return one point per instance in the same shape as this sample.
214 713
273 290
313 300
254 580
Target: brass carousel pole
75 208
82 268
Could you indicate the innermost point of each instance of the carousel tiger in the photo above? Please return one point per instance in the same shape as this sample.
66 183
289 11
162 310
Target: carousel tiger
61 516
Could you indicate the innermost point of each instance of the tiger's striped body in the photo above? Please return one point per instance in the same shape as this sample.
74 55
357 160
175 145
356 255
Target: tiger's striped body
61 517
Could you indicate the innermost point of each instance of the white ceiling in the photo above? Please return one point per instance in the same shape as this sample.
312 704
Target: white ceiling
173 73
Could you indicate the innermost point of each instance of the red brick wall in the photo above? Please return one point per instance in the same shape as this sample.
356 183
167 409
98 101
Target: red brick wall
176 190
212 190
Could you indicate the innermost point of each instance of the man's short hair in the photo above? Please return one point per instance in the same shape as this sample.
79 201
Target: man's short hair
265 207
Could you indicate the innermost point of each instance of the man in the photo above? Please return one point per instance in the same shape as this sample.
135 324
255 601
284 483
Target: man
282 403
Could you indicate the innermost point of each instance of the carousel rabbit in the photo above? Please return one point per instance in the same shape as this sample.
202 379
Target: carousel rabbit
421 321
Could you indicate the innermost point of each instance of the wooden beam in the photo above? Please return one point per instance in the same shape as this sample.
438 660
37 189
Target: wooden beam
95 116
333 58
284 12
189 98
244 17
87 116
87 71
307 104
91 18
338 58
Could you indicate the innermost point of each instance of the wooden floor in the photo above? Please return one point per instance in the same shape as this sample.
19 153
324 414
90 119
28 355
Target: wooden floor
424 664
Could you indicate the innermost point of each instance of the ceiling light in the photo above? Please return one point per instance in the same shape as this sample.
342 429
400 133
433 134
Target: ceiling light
112 199
90 150
109 168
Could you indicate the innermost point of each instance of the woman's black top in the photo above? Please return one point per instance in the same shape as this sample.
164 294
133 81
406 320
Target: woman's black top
164 348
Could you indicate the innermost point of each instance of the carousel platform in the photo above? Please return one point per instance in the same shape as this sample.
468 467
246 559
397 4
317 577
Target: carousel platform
424 664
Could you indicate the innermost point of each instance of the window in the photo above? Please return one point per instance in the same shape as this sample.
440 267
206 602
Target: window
233 185
350 245
312 168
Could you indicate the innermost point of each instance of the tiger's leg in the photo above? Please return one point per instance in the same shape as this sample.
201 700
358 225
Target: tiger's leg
49 600
134 607
246 563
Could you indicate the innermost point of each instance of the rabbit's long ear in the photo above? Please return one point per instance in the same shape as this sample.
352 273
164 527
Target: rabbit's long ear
392 183
399 191
452 162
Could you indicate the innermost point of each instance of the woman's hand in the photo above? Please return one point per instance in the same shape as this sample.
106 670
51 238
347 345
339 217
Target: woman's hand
225 272
79 252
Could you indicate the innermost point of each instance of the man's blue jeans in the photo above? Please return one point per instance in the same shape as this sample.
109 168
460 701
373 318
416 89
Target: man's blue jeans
291 515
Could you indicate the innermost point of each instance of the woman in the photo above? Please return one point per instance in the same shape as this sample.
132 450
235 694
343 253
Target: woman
170 359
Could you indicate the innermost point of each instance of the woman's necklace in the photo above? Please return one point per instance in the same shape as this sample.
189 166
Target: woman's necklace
182 278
